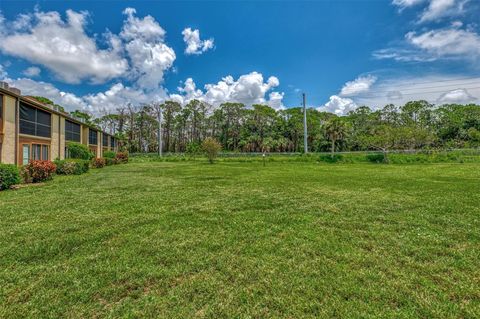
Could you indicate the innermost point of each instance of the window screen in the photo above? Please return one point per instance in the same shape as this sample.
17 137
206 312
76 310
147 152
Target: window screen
36 152
72 131
34 121
45 153
104 140
92 137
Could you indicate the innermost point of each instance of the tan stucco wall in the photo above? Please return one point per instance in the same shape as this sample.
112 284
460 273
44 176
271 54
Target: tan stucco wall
99 145
9 139
55 151
84 135
62 138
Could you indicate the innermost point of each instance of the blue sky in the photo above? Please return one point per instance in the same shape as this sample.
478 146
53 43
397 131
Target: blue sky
97 55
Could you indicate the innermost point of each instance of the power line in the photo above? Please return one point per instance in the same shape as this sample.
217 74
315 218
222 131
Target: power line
380 93
409 86
412 93
433 87
442 81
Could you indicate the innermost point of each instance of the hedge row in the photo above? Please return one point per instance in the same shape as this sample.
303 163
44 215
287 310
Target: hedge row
40 171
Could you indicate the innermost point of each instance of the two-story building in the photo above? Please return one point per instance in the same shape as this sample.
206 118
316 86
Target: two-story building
30 130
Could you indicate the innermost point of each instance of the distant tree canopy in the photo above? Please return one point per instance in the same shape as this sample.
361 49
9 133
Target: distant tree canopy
415 125
88 118
44 100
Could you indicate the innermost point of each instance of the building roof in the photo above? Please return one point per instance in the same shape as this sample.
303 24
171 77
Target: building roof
48 108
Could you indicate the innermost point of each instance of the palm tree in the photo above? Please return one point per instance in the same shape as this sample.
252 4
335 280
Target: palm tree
336 130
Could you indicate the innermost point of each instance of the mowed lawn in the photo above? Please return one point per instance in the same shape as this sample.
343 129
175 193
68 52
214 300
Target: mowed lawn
239 240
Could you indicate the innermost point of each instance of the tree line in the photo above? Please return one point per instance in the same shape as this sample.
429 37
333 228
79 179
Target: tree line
238 128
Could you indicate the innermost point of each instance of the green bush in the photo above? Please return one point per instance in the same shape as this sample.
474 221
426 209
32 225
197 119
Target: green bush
376 158
109 154
83 166
9 175
211 148
71 167
110 161
193 149
330 158
80 151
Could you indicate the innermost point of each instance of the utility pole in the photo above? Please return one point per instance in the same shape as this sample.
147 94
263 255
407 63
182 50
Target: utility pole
305 134
160 137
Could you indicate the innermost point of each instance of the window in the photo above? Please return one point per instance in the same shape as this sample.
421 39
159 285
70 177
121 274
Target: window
34 121
26 154
45 152
92 137
113 142
72 131
104 140
35 152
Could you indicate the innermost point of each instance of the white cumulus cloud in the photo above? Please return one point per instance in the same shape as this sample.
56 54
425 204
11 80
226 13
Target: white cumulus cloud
146 28
338 105
456 96
119 95
39 88
275 100
248 89
62 46
194 44
138 53
361 84
149 55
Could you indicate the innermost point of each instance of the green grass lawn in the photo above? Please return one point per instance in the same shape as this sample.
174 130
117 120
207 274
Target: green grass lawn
239 240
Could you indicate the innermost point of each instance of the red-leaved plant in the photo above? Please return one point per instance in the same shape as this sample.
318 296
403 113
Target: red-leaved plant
122 157
98 162
38 171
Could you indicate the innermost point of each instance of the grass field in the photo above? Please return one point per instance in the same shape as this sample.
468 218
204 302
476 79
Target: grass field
239 240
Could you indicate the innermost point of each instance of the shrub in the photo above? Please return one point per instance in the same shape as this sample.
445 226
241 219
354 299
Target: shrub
83 165
109 154
211 148
80 151
376 158
38 171
331 158
71 167
122 157
9 175
110 161
65 167
193 149
98 162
